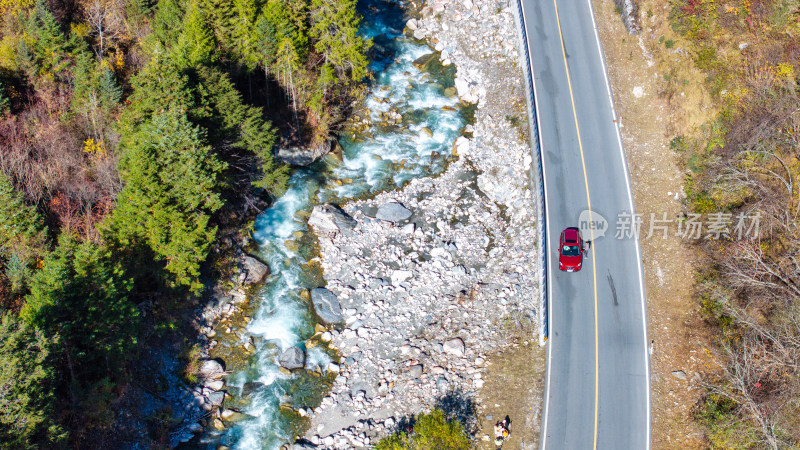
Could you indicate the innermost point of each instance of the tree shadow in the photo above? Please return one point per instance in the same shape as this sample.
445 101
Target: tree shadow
460 406
405 424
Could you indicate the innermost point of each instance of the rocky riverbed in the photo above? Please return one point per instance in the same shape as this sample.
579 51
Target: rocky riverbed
430 278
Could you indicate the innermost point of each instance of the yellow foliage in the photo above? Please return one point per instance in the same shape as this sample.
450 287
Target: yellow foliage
785 71
80 29
12 6
8 54
746 6
94 148
119 63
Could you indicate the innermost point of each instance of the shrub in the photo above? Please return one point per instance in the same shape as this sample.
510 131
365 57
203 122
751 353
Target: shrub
725 429
430 431
191 357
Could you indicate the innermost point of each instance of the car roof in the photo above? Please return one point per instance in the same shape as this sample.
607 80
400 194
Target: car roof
571 234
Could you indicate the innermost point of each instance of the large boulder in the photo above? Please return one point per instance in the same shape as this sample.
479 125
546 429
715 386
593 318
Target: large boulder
214 385
326 305
250 387
211 368
292 358
427 63
304 156
454 347
392 212
215 398
254 270
465 90
330 219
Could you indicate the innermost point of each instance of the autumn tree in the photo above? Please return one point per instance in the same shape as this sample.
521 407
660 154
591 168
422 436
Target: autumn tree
47 54
106 21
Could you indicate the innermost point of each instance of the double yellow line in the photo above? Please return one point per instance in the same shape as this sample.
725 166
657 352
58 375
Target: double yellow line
591 230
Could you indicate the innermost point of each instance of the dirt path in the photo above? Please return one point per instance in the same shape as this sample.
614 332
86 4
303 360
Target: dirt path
513 387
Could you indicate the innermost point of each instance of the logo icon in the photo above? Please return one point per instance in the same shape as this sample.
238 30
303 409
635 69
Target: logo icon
592 224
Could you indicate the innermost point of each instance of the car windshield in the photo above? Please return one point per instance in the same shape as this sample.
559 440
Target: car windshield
569 250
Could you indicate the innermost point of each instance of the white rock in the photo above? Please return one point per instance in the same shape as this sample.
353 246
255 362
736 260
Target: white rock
215 385
399 276
454 347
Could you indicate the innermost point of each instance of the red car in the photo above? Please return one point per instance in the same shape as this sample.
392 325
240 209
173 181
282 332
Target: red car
570 250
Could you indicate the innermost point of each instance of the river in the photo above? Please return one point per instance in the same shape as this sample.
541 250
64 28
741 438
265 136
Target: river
376 156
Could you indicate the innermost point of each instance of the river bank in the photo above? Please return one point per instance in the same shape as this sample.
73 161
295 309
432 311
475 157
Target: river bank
428 309
447 281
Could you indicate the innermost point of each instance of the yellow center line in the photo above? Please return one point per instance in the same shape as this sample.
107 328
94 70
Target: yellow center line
591 230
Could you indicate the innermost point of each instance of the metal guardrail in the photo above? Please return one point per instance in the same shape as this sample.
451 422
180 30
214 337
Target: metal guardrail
537 179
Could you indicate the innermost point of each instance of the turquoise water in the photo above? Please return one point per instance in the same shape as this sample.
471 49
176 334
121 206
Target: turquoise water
375 158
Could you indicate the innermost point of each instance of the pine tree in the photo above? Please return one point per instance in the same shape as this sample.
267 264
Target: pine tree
85 100
220 18
110 91
138 11
247 128
265 48
22 236
51 45
82 295
167 22
26 387
335 32
243 32
171 187
288 62
196 43
160 86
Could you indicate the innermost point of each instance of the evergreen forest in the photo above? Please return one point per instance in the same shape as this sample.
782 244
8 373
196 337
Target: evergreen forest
131 131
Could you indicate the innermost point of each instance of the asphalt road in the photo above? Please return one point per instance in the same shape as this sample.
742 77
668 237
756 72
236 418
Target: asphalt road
597 390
